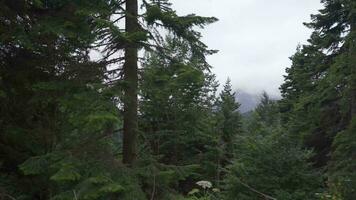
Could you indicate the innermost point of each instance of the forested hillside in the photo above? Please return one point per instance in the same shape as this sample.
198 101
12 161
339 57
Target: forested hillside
146 119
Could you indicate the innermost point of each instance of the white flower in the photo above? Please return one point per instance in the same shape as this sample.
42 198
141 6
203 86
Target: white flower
204 184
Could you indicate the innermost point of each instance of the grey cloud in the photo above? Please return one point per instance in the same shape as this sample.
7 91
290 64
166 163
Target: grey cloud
255 38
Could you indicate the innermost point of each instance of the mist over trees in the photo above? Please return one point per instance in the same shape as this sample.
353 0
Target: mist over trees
147 121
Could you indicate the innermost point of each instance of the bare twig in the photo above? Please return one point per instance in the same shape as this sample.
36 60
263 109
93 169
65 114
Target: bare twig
8 196
256 191
75 195
154 187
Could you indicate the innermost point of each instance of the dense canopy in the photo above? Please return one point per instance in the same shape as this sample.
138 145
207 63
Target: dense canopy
146 120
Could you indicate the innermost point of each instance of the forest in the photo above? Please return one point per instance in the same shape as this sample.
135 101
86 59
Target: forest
144 119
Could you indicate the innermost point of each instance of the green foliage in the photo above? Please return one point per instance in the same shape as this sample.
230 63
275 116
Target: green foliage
319 94
273 166
61 112
265 119
342 167
180 26
228 126
34 165
177 100
270 164
57 118
161 181
65 143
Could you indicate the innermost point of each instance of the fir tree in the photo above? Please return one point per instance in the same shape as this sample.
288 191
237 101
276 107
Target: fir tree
176 114
319 93
228 126
157 14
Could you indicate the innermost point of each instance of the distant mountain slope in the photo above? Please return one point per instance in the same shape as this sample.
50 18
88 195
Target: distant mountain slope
248 101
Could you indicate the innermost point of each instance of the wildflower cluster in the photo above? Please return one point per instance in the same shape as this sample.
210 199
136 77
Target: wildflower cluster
207 192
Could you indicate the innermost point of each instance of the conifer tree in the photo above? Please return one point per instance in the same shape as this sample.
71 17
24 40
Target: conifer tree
319 92
265 116
141 31
177 99
228 126
56 116
230 123
269 163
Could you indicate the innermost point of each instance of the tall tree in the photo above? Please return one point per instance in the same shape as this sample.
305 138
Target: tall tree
319 93
230 124
56 116
142 31
228 127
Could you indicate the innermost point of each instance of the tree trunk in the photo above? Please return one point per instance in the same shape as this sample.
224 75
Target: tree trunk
131 86
352 63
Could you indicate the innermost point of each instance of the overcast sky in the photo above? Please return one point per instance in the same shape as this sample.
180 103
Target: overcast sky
255 38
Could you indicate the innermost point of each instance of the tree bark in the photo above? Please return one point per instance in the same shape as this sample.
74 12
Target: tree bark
130 70
352 63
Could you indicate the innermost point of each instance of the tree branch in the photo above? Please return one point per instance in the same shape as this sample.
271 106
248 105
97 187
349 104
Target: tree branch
256 191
